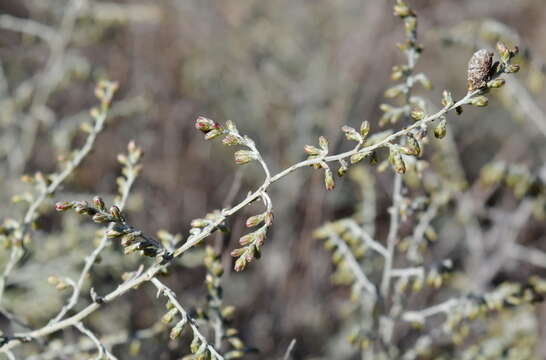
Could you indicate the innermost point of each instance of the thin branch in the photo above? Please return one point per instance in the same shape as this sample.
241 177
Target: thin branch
357 271
130 173
288 353
100 347
56 181
392 235
166 291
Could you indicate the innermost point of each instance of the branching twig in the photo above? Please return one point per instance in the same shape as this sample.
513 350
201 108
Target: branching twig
164 290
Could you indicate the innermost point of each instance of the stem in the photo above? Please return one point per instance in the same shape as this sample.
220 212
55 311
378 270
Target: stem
391 237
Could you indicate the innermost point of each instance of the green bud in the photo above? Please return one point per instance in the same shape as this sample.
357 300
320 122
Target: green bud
417 114
169 316
244 156
413 145
393 91
351 133
323 143
480 101
513 68
401 9
398 163
228 312
364 128
355 158
497 83
447 99
441 129
312 150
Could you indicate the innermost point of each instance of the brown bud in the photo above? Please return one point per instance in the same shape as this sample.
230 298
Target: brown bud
479 68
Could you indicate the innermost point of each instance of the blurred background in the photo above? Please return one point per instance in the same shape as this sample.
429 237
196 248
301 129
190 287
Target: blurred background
286 72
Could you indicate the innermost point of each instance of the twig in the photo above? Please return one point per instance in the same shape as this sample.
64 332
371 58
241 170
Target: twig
166 291
392 235
360 276
130 173
101 348
288 353
57 180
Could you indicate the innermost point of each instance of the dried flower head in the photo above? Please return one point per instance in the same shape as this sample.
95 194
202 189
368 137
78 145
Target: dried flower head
479 68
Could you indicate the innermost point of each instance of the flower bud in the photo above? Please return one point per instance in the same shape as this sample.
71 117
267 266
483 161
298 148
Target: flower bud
355 158
115 212
231 140
447 99
323 143
441 129
364 128
255 220
413 145
244 156
237 252
99 203
247 239
480 101
497 83
329 179
205 125
312 150
417 114
63 205
169 316
213 134
479 68
100 218
351 133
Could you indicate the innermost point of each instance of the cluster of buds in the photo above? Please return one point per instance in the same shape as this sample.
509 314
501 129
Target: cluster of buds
212 219
506 296
402 10
520 180
104 91
517 177
433 275
212 129
209 127
132 240
359 136
319 153
199 347
252 242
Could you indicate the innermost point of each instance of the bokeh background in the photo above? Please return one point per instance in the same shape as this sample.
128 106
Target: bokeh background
286 72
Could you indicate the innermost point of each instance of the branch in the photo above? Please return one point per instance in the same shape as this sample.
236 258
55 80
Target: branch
130 171
164 290
105 91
